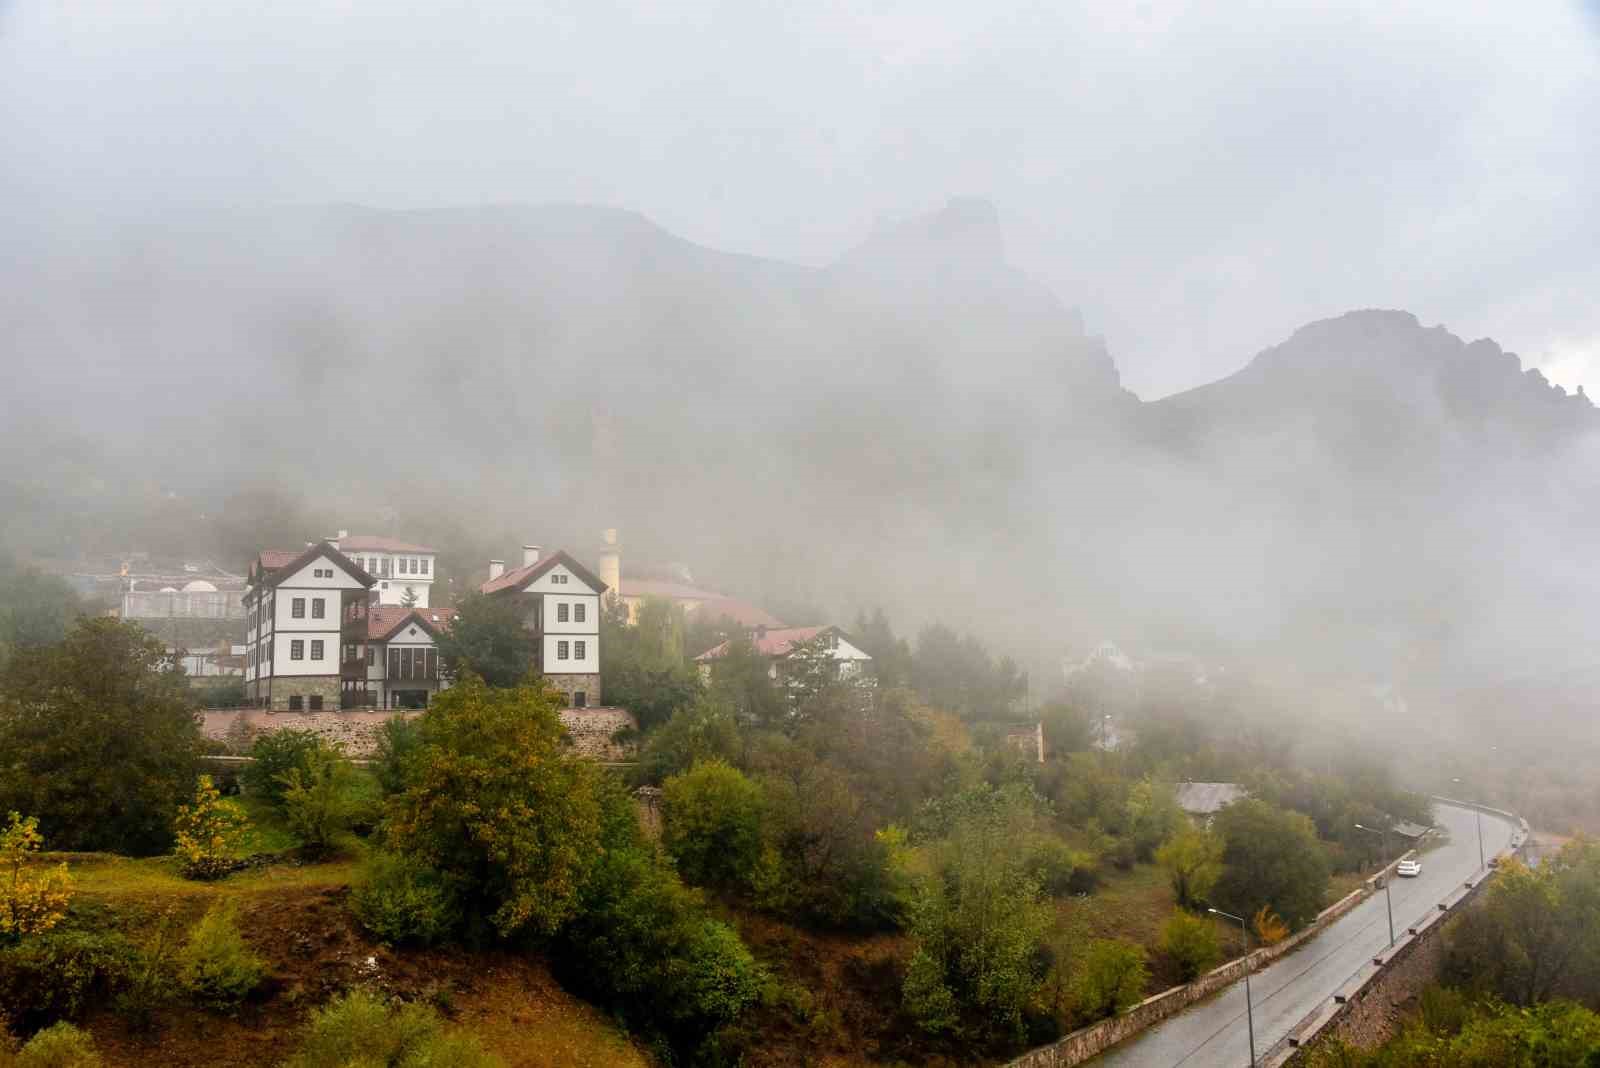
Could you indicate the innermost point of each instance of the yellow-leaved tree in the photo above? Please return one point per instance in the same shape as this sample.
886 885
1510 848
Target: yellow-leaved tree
32 900
209 830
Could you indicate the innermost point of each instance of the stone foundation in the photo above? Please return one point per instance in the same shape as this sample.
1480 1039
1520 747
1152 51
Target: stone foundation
327 687
571 684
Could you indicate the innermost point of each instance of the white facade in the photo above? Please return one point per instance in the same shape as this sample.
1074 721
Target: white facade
398 566
294 612
567 619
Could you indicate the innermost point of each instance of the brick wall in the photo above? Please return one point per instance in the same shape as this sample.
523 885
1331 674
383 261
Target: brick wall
570 684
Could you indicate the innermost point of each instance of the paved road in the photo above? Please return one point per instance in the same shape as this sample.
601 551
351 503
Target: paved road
1212 1033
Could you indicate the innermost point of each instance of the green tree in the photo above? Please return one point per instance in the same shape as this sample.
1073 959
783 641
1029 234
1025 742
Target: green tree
409 598
956 673
1537 933
1153 816
700 731
1192 859
273 755
891 656
711 823
1191 942
496 803
99 739
489 638
317 799
36 609
644 668
741 679
1270 857
361 1028
1112 979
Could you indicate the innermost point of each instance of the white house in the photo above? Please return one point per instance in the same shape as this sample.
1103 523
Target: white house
401 655
400 567
302 611
782 646
563 612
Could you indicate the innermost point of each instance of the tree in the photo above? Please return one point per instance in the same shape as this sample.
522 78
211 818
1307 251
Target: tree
1153 816
209 831
955 672
496 803
1270 857
891 656
1537 934
1113 978
35 609
489 638
1191 942
741 679
711 823
409 598
98 739
272 756
1193 862
317 799
644 668
32 901
700 731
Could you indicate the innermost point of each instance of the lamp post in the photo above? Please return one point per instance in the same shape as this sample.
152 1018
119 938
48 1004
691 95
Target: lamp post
1249 1008
1479 815
1388 899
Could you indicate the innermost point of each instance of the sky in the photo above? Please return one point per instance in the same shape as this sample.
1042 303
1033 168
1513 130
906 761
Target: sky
1199 179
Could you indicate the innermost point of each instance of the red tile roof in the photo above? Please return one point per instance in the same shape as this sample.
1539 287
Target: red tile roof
276 565
741 612
658 588
385 620
374 544
712 605
272 559
524 575
772 643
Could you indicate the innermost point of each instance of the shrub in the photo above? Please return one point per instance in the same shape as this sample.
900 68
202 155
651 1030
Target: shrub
1193 862
215 965
318 801
1058 868
30 902
700 731
642 944
401 900
711 823
1113 978
58 1046
209 832
52 976
398 739
149 981
1191 941
274 755
1269 927
360 1028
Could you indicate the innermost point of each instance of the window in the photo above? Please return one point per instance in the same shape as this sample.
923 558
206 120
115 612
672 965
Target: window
558 579
561 612
424 565
316 649
295 703
297 608
577 650
577 612
411 566
349 651
297 650
319 608
371 655
316 702
561 651
580 699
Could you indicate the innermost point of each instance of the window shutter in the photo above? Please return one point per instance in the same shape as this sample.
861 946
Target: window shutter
433 663
394 664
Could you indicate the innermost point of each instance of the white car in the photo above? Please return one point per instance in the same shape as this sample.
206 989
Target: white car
1408 869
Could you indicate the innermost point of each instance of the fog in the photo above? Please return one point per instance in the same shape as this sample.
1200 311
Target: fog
841 308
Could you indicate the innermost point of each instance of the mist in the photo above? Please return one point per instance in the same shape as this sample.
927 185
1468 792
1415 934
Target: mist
1030 322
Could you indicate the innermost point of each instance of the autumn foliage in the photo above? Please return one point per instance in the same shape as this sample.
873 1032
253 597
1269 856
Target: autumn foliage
31 901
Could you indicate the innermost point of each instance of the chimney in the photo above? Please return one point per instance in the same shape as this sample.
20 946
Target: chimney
530 555
611 562
496 569
343 534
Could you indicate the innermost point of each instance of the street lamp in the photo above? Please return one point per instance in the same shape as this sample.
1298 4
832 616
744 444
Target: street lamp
1388 899
1476 812
1249 1009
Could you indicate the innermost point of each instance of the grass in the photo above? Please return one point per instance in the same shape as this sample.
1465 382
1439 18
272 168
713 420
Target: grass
268 832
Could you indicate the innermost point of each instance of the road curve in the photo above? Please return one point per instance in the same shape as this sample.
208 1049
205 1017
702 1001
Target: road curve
1212 1034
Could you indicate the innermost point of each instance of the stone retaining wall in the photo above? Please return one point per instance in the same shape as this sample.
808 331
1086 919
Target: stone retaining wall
1368 1009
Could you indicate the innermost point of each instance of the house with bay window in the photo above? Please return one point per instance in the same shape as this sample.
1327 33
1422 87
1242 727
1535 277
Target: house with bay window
561 599
303 611
404 571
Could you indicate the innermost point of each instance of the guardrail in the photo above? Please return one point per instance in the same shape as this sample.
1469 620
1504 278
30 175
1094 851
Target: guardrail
1354 993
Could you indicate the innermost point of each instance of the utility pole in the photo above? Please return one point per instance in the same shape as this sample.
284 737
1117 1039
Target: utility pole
1388 899
1249 1009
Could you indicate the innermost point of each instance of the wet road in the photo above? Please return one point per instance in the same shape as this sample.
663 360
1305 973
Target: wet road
1212 1033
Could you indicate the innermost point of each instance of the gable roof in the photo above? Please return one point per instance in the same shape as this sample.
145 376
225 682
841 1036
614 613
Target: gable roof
524 575
385 620
374 543
773 642
741 612
1207 798
273 566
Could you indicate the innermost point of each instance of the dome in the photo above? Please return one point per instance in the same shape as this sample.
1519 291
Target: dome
199 586
169 589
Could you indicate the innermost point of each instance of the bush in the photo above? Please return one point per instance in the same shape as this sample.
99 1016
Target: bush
360 1028
1058 868
398 739
401 900
1191 942
701 731
52 976
32 902
209 833
59 1046
642 944
711 823
215 965
1193 862
1270 857
274 755
1113 979
318 798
